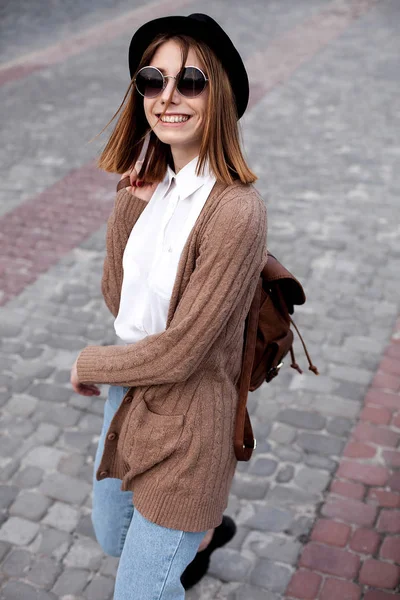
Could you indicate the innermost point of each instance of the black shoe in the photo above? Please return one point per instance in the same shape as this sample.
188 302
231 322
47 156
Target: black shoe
199 565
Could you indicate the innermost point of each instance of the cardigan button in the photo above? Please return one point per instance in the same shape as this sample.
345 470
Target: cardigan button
128 400
111 436
103 474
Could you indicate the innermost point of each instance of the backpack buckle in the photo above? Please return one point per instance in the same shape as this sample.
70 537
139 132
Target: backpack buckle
273 372
252 447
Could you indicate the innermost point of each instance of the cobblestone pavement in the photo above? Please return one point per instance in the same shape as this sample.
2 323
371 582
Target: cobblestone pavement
318 506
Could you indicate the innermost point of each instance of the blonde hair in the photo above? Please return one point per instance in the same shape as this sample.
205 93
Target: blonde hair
220 142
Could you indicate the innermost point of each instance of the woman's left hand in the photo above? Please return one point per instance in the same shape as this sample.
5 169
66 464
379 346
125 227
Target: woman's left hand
84 389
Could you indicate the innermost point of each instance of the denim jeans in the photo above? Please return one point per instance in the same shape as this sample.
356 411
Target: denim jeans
152 558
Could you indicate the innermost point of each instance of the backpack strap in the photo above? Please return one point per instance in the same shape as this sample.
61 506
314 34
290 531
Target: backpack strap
244 442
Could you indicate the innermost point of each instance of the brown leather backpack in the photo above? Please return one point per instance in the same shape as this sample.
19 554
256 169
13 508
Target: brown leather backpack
267 340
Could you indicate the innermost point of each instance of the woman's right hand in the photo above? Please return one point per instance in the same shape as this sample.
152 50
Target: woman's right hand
139 188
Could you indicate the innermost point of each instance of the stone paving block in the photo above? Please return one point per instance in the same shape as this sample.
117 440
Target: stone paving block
351 391
18 531
229 565
251 592
110 566
263 466
283 434
91 424
4 548
273 547
22 405
85 527
351 374
301 419
44 572
77 440
65 488
251 488
50 412
7 495
16 590
84 554
339 426
320 462
287 454
50 392
29 477
323 383
9 445
17 563
312 480
46 433
270 575
270 519
320 444
334 405
52 542
285 474
100 588
70 582
281 495
45 457
30 505
62 516
71 465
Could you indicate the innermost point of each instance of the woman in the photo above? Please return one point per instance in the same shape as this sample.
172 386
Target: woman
185 245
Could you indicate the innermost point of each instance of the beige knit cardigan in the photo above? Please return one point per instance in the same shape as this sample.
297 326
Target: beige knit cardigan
171 440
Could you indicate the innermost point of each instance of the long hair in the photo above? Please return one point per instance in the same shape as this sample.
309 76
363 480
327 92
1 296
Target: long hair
220 143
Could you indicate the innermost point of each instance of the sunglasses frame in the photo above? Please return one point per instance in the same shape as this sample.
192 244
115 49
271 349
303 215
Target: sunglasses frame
165 82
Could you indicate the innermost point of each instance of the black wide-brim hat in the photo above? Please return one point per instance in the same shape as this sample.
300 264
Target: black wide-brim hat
202 28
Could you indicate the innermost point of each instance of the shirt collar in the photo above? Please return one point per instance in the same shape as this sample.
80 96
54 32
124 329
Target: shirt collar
187 182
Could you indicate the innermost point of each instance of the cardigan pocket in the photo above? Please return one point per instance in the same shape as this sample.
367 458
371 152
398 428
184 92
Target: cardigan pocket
150 438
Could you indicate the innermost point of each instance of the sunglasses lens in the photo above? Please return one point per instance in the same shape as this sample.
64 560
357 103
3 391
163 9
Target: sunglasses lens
149 82
192 82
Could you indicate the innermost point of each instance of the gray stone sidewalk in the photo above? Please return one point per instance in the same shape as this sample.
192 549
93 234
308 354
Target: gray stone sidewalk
326 148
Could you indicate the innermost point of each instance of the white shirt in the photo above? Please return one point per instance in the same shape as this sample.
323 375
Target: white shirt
153 250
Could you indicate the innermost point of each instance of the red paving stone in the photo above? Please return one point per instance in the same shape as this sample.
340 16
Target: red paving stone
365 541
379 416
390 549
359 450
369 554
350 511
379 574
368 474
330 532
304 585
335 589
349 489
330 560
378 595
384 498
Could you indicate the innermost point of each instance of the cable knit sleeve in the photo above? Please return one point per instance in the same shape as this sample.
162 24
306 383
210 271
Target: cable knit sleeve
232 252
127 209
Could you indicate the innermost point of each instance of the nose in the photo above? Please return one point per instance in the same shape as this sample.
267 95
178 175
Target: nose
168 89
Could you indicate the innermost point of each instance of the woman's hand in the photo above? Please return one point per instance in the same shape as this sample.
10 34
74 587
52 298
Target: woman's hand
138 187
84 389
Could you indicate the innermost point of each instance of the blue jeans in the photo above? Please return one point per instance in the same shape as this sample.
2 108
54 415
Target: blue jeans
152 558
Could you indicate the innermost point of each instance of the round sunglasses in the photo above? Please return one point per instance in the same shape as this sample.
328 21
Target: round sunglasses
150 82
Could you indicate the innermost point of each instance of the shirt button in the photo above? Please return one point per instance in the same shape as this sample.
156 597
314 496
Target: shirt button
103 474
111 436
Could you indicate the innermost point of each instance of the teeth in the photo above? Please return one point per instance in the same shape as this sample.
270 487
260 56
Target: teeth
174 119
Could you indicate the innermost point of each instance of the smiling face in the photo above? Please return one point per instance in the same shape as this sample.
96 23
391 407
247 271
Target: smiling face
183 137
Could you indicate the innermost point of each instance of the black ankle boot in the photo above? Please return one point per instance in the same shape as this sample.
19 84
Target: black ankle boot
199 565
